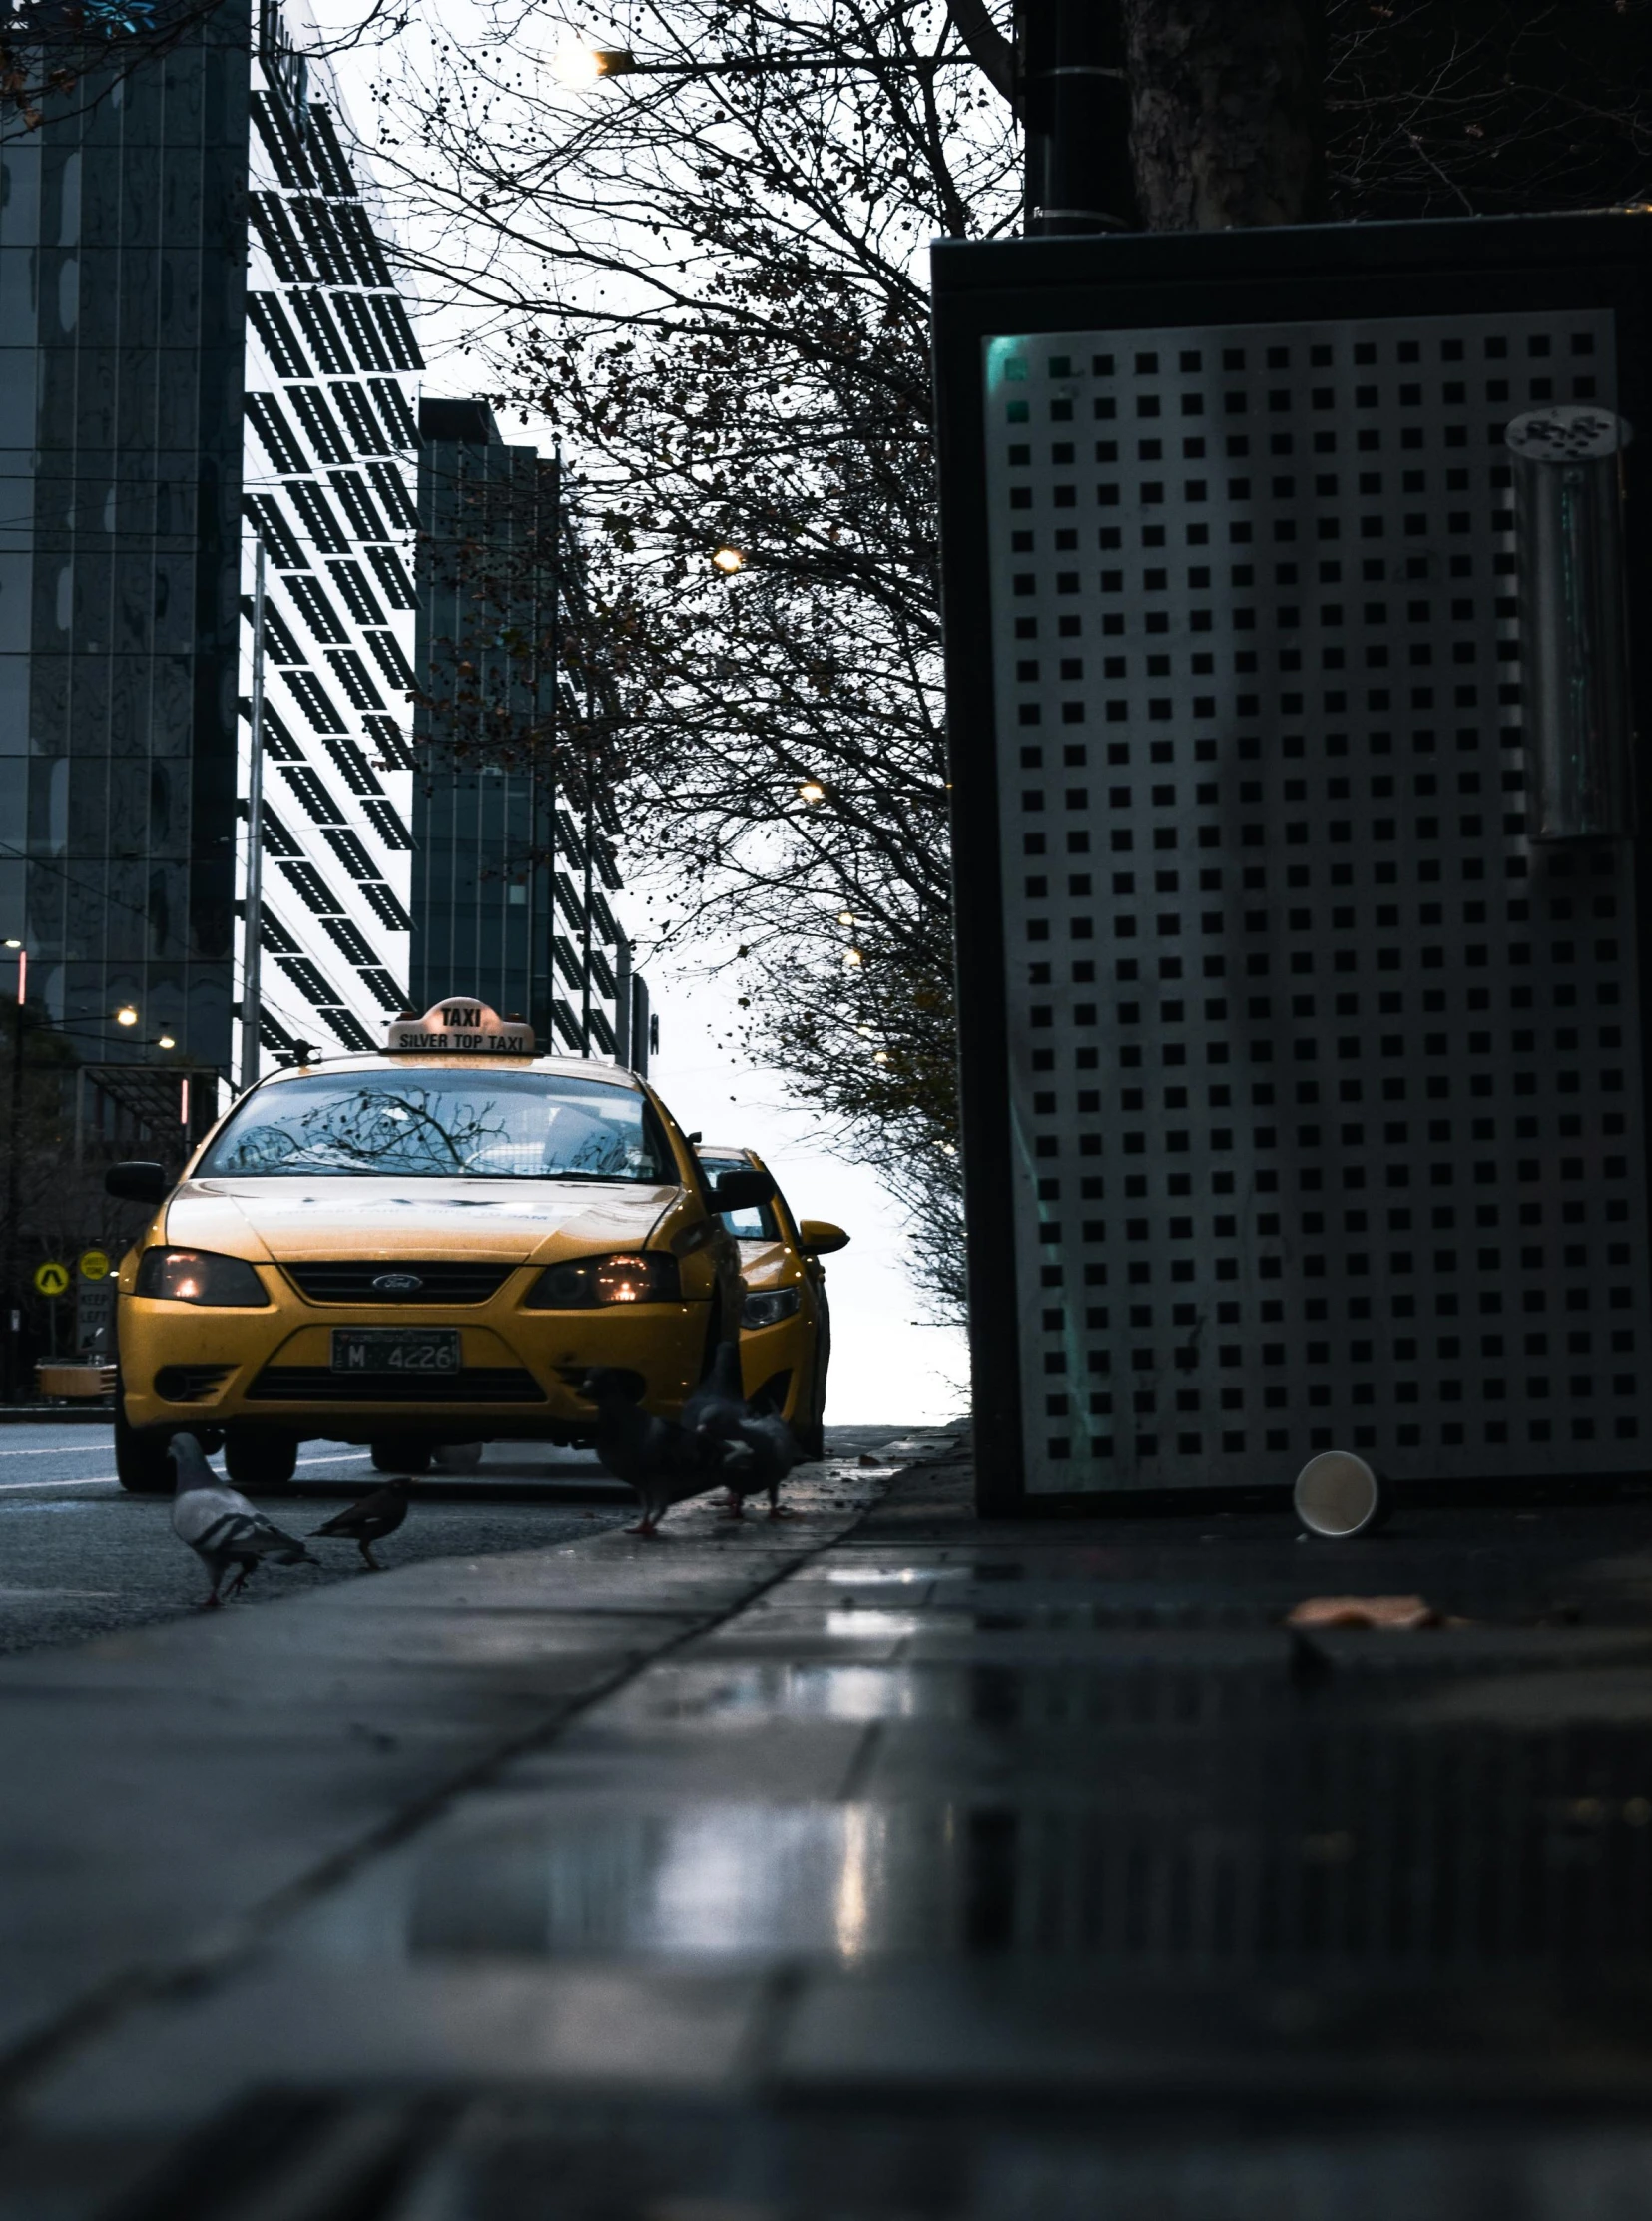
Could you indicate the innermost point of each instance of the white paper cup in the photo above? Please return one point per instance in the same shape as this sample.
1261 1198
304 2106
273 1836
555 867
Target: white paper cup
1338 1497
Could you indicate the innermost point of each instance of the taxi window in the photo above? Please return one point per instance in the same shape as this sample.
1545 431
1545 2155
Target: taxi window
755 1225
444 1125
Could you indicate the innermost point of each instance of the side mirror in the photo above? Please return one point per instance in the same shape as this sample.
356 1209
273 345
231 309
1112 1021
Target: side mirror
820 1236
137 1182
741 1191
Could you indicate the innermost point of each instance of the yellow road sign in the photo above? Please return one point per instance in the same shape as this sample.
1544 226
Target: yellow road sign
51 1277
94 1264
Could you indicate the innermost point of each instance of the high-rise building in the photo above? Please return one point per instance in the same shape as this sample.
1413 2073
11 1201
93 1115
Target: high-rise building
513 819
208 442
122 319
328 500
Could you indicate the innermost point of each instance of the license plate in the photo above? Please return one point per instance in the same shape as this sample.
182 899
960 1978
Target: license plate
369 1349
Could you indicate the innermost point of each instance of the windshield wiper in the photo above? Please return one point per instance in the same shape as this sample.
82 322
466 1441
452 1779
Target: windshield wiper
407 1172
618 1179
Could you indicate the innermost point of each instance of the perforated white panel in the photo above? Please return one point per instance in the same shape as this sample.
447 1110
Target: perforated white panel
1327 1095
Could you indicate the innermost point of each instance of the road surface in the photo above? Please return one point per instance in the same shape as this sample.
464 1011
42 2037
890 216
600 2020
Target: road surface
80 1557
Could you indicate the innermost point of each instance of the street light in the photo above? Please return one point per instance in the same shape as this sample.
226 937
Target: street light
583 65
579 66
166 1043
126 1015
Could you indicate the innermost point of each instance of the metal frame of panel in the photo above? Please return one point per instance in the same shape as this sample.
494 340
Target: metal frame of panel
1302 1096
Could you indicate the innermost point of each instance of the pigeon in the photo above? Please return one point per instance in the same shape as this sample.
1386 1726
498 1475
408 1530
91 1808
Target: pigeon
759 1455
659 1460
370 1519
721 1391
757 1448
221 1526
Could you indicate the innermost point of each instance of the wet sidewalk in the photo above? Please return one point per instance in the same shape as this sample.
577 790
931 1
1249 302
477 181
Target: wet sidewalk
963 1870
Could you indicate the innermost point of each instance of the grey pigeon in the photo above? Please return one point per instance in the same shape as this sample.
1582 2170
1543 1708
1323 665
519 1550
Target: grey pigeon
761 1452
659 1460
221 1526
758 1448
719 1397
370 1519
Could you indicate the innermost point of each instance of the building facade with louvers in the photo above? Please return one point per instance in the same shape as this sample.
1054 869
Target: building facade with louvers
329 483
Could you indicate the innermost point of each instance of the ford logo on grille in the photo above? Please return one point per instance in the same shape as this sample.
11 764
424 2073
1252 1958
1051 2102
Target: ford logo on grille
398 1284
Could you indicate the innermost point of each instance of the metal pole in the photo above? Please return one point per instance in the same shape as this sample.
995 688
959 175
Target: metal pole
585 958
551 742
249 986
1075 112
14 1155
622 1002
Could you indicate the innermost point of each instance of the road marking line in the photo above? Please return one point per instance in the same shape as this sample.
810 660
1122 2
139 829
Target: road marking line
12 1594
19 1488
67 1449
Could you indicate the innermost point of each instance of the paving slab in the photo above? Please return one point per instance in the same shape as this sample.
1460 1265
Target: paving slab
920 1870
168 1787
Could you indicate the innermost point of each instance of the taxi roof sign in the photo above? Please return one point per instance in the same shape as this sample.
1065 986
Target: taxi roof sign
459 1025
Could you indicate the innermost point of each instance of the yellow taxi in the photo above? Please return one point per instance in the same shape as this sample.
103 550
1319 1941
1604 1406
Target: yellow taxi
421 1246
785 1320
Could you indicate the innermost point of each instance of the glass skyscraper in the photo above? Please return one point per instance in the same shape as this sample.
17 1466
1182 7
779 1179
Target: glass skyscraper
513 824
122 343
203 349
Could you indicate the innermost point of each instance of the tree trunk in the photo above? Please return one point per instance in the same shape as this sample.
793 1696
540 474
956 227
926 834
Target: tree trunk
1225 111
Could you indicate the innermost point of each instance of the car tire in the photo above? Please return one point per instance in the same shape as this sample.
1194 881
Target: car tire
260 1462
458 1457
809 1426
142 1465
810 1431
714 1335
400 1453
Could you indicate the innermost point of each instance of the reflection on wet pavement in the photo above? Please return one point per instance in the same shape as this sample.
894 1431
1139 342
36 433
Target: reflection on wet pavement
1136 1765
991 1874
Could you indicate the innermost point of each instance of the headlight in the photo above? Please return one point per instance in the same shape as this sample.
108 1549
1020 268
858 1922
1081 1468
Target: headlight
625 1277
769 1309
200 1276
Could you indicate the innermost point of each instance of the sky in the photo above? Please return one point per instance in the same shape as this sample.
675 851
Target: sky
892 1364
888 1363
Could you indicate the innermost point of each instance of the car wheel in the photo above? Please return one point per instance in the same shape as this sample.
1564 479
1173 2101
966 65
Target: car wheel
260 1462
400 1453
142 1465
811 1428
714 1335
458 1457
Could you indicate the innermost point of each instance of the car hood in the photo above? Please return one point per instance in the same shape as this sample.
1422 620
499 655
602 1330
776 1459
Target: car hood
498 1219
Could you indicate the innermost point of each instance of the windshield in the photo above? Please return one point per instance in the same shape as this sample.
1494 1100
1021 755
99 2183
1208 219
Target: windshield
444 1125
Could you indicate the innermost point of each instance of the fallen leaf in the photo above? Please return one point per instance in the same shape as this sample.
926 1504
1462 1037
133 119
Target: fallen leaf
1394 1614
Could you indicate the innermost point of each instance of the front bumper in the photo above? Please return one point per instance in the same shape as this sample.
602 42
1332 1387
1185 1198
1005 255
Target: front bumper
184 1363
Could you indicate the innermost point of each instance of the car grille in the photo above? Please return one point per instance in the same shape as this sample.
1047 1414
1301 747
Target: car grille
350 1280
319 1384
